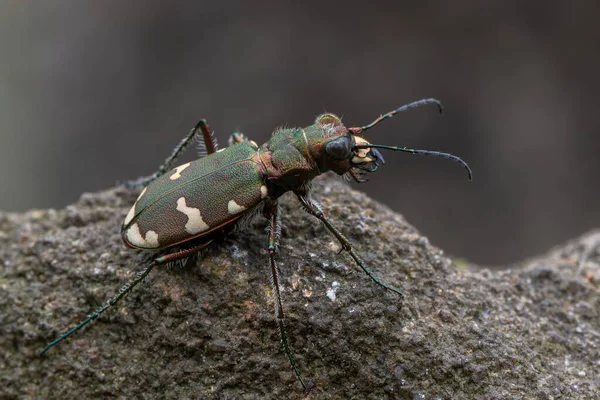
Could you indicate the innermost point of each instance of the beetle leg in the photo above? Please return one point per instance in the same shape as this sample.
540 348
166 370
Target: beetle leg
313 208
128 287
272 213
207 144
236 138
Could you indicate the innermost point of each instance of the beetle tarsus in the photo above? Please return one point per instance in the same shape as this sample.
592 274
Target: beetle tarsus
313 208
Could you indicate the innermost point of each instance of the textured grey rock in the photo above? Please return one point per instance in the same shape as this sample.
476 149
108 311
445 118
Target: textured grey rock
207 331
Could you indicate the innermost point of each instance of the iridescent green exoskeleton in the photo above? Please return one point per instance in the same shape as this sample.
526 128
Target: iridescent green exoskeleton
193 204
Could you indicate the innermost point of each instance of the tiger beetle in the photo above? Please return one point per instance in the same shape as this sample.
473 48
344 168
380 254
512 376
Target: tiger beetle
196 203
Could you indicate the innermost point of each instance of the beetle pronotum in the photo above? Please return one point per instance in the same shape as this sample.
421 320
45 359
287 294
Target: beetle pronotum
250 178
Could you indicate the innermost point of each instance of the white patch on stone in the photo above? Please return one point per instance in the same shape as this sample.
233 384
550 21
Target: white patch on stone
234 208
195 222
331 291
178 171
263 192
135 238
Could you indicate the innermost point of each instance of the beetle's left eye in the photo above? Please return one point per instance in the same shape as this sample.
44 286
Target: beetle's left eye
339 148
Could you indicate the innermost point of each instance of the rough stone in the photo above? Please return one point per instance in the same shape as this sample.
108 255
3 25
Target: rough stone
207 330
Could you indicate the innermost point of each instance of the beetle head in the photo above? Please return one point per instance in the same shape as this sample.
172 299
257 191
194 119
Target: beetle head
345 152
338 150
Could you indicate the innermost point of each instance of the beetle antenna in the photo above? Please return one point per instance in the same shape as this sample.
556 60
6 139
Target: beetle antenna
414 151
405 107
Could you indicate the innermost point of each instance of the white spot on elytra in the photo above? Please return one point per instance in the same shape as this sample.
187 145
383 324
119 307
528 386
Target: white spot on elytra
331 291
141 194
253 143
195 222
234 208
263 191
131 212
135 237
178 171
220 150
129 216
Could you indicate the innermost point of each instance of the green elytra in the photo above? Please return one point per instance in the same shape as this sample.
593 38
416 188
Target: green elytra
204 199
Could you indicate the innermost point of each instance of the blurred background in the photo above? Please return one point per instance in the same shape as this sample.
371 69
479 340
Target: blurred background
93 92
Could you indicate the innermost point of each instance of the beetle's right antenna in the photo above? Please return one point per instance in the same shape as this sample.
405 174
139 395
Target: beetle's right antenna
414 151
405 107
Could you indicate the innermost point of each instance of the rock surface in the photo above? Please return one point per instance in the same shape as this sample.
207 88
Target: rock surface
207 330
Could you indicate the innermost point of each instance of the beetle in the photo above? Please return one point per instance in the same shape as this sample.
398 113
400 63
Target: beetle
190 206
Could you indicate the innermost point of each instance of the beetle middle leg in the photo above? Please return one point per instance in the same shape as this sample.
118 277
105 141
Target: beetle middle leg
271 211
207 144
128 287
313 208
236 138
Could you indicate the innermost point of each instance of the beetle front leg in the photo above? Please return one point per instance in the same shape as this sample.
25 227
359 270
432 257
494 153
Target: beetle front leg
207 144
313 208
272 213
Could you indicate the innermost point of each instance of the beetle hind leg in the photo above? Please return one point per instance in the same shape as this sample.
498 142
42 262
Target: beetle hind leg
207 144
128 287
314 209
272 213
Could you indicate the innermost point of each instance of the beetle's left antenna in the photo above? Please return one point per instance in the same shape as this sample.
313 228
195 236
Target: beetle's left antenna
405 107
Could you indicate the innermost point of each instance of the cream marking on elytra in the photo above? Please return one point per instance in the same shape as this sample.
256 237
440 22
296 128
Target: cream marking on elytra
195 222
263 191
135 237
220 150
253 143
234 208
130 215
141 194
131 212
178 171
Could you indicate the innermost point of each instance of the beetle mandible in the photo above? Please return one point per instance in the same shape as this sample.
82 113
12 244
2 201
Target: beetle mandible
250 179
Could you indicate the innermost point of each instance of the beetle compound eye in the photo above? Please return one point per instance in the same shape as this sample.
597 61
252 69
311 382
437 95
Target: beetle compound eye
340 148
325 119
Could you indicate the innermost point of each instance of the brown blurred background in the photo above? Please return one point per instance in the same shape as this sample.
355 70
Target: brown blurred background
92 92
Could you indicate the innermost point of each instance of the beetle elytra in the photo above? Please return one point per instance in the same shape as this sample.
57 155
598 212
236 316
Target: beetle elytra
193 204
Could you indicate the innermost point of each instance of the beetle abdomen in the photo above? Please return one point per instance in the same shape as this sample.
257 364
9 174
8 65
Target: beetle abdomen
196 198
